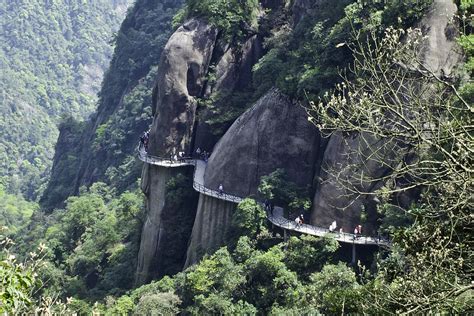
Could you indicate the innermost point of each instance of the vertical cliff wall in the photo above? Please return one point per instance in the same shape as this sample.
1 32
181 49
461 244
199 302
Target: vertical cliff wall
210 228
171 205
272 134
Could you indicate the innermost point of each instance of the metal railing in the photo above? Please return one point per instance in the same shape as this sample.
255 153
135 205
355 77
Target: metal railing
162 161
279 221
285 223
222 196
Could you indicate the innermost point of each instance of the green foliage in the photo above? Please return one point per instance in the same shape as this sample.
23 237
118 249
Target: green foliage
53 55
124 110
158 304
244 249
226 276
269 281
164 285
15 212
393 218
248 219
467 44
65 168
429 269
93 243
308 254
335 290
304 60
252 281
232 17
277 188
19 282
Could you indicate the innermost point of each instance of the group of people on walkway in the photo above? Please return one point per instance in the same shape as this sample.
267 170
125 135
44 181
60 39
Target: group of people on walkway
177 157
202 154
269 207
357 229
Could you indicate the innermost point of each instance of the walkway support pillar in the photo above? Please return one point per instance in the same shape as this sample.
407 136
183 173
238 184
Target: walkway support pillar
353 254
285 235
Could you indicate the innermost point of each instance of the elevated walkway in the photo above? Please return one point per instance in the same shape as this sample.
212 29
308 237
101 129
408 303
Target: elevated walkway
276 217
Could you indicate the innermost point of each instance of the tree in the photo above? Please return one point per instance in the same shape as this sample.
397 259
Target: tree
308 254
334 290
276 187
19 281
158 304
417 125
248 219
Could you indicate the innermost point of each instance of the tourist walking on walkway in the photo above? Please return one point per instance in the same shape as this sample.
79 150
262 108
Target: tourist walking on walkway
298 221
198 152
144 140
221 189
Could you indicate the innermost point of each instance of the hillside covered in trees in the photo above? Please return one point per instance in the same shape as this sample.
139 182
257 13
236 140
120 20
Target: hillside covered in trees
343 114
53 57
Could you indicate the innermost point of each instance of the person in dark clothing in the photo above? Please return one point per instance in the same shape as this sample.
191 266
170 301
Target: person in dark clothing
142 141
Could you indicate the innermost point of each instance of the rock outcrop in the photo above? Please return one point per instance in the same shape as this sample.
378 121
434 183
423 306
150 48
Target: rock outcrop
343 153
183 65
273 134
233 73
182 79
166 231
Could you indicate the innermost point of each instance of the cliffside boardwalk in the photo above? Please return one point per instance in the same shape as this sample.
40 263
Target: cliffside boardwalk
277 218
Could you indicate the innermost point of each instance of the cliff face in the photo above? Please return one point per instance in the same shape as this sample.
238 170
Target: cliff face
210 228
170 216
342 153
181 81
272 134
184 63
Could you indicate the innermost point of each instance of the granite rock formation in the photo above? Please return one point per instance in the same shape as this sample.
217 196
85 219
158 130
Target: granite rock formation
272 134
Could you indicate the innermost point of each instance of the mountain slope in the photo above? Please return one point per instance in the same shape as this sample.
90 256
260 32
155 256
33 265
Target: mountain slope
52 58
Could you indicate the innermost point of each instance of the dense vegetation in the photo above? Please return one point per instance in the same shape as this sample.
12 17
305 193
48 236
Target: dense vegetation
305 60
124 111
232 18
53 55
92 242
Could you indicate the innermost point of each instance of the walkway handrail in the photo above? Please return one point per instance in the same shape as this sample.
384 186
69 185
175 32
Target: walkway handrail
279 221
285 223
222 196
